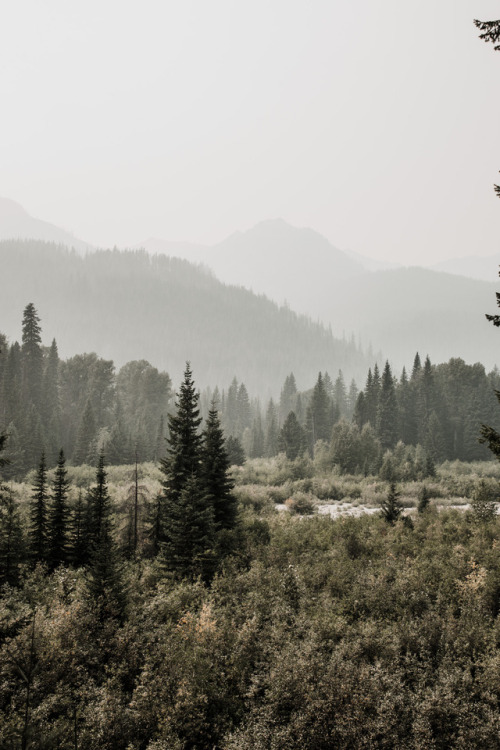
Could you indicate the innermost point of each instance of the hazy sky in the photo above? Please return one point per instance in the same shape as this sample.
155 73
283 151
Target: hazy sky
376 122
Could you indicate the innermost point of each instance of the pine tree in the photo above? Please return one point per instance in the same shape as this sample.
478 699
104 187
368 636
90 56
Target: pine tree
57 529
188 534
184 451
38 514
217 483
104 573
32 357
79 533
272 432
387 411
84 448
319 416
390 506
288 397
99 506
235 452
292 437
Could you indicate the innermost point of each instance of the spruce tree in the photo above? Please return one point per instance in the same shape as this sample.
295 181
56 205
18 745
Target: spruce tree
188 548
38 514
32 357
188 534
235 452
218 485
387 411
104 579
99 506
79 533
57 531
292 437
391 507
184 444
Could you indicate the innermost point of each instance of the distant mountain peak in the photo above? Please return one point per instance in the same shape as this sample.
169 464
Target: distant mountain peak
11 209
17 224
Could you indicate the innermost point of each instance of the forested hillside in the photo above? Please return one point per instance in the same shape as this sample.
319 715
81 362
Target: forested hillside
128 306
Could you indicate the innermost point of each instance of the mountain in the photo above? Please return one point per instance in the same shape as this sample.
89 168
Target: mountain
129 305
395 310
484 268
288 264
405 310
16 223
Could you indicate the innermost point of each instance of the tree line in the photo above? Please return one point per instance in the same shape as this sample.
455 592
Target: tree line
188 525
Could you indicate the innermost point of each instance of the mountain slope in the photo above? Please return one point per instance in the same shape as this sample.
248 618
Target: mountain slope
484 268
127 305
16 223
404 310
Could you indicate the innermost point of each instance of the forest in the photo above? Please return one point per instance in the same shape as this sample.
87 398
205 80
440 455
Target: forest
197 569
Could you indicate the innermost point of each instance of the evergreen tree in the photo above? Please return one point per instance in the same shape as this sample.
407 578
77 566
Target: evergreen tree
184 444
217 483
257 439
84 448
57 529
272 431
99 506
319 416
104 573
292 437
235 452
79 533
288 397
387 411
32 357
188 547
390 506
38 514
417 367
188 534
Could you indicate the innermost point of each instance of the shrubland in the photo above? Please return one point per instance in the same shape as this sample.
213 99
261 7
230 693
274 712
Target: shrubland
313 632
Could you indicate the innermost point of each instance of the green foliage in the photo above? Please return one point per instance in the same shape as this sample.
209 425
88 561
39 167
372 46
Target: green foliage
390 506
483 503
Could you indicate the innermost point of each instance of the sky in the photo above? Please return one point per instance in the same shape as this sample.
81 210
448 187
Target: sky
375 122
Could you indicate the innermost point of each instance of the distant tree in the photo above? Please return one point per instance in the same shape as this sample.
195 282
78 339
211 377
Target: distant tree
423 499
86 435
235 452
57 527
291 437
272 431
38 514
32 356
390 506
319 415
288 397
387 410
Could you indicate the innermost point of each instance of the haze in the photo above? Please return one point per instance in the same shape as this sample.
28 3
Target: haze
375 123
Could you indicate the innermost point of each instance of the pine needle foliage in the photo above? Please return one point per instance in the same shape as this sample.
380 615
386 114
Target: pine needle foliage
390 506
